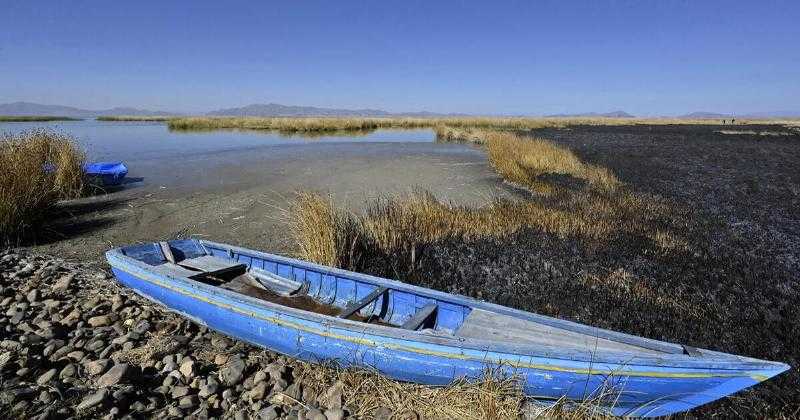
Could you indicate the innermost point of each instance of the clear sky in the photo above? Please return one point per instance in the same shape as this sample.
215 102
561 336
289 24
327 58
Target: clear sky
488 57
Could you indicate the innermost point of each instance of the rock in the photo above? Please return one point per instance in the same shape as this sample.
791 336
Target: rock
209 388
63 283
69 371
269 413
45 397
96 367
408 415
294 391
315 414
258 391
383 413
188 368
169 380
175 412
46 377
32 296
220 359
93 400
276 370
100 321
334 414
76 355
188 401
141 327
279 385
260 376
233 372
180 391
228 394
332 397
114 376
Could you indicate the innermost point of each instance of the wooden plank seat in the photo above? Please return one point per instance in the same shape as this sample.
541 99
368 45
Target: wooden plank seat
419 318
212 266
366 300
173 270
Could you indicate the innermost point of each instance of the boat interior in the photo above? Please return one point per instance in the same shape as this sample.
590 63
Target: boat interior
302 287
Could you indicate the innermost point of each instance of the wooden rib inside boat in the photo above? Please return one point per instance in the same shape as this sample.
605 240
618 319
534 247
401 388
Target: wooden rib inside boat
478 323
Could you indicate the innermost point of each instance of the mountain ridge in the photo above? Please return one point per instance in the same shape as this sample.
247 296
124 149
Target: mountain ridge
35 109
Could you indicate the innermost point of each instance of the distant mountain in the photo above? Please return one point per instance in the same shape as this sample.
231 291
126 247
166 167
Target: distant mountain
278 110
34 109
703 115
773 114
612 114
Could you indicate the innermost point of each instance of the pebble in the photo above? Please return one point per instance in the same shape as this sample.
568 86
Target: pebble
114 376
100 321
93 399
315 414
46 377
180 391
187 368
269 413
188 401
58 324
334 414
96 367
233 372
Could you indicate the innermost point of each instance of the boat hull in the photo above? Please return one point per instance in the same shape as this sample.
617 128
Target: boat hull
106 173
629 388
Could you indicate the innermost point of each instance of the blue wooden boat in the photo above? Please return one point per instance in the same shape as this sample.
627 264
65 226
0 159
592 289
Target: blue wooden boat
106 173
318 313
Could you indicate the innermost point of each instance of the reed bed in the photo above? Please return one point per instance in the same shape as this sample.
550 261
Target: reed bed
134 118
37 168
301 124
34 118
391 235
493 397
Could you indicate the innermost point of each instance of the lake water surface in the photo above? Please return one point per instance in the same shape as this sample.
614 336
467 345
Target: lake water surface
133 141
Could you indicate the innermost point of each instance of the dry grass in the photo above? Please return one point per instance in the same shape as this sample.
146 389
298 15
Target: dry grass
391 235
305 124
392 232
134 118
493 397
27 188
524 161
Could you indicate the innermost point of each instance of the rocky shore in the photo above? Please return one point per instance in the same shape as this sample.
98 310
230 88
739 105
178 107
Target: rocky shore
74 344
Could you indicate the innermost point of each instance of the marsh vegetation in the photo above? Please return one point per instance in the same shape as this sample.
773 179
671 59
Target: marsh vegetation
34 118
582 245
308 124
37 168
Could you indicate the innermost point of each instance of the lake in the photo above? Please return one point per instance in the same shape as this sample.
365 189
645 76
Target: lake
133 141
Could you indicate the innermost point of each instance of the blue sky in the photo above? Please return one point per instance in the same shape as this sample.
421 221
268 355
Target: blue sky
526 57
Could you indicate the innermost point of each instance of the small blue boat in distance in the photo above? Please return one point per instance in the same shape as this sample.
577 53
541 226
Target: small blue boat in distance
106 173
318 313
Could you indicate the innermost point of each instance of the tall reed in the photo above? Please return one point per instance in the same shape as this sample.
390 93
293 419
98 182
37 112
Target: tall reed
37 168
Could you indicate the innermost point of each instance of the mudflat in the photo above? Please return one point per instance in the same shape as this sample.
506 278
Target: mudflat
242 196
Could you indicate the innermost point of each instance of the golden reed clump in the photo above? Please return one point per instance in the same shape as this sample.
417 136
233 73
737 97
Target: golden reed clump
306 124
37 168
